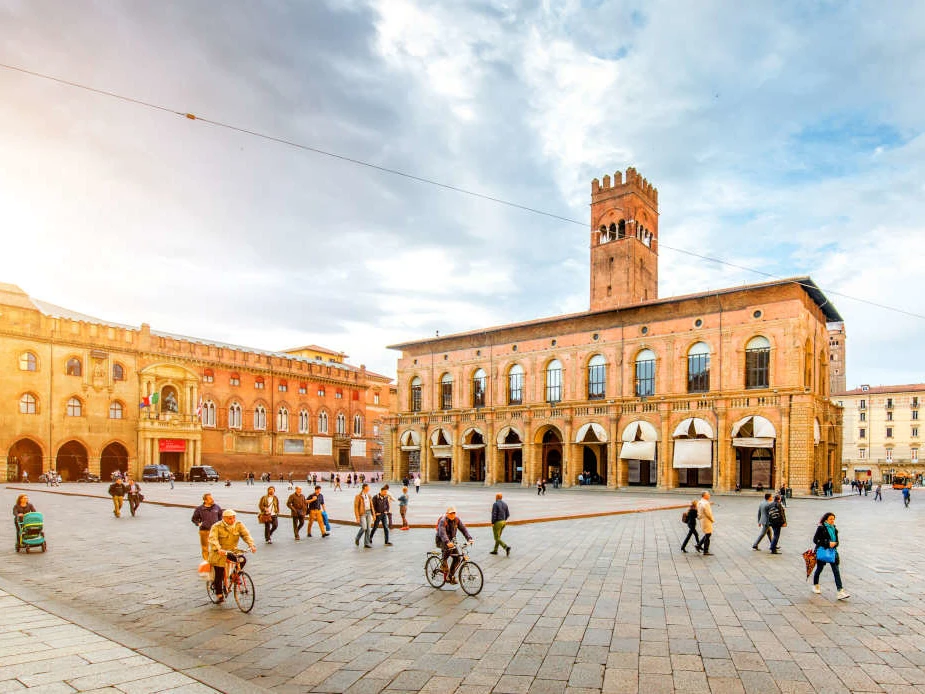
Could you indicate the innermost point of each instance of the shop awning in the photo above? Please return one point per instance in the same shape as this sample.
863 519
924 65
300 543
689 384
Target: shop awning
638 450
472 446
639 431
693 427
693 453
435 438
503 435
817 433
442 451
410 440
753 442
754 425
590 431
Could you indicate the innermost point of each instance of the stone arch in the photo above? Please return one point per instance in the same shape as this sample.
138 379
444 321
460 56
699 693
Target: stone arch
72 459
550 439
25 455
114 457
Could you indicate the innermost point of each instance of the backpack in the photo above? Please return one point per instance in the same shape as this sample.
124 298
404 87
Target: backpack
684 517
775 515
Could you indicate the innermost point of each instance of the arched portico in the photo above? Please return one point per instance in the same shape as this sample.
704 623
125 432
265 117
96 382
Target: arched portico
113 458
71 461
692 457
551 463
409 444
754 438
474 454
639 455
592 439
25 455
510 444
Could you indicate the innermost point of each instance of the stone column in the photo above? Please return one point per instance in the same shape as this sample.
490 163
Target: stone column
665 470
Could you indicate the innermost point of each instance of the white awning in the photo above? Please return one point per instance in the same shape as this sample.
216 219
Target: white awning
700 428
638 450
442 451
753 442
817 433
503 434
472 430
510 446
693 453
435 437
410 440
598 432
472 446
760 427
639 430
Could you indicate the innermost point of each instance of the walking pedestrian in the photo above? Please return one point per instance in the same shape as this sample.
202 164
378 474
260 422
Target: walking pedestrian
134 495
878 495
499 515
705 516
117 492
205 516
403 508
764 524
269 514
783 494
337 484
689 517
417 484
20 508
363 511
381 512
777 517
315 508
907 495
826 541
171 478
298 507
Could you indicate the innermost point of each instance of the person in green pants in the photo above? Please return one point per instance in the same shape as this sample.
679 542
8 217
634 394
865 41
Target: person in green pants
499 515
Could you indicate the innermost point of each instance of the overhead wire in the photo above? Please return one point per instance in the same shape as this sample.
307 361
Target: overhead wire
422 179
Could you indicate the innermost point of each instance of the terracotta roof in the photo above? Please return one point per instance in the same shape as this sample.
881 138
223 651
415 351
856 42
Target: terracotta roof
884 390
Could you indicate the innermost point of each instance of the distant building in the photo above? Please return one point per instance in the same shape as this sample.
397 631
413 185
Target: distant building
837 374
718 389
882 431
79 393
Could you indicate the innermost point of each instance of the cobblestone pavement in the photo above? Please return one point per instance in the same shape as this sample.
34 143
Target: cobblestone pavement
597 604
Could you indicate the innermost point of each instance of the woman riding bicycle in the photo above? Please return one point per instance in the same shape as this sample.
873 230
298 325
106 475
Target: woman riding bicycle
446 539
223 541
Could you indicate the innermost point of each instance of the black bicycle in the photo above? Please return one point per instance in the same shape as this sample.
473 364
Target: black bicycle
237 581
468 574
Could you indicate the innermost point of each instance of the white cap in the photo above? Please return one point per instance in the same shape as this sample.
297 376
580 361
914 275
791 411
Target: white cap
228 512
451 509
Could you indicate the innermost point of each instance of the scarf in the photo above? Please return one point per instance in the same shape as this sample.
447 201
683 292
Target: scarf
831 531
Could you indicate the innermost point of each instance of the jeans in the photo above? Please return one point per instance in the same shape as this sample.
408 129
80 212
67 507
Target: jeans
298 520
776 538
404 518
820 565
133 503
691 532
270 528
496 529
704 543
365 521
765 530
383 520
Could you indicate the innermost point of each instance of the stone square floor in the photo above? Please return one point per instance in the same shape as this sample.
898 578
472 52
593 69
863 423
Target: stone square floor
594 604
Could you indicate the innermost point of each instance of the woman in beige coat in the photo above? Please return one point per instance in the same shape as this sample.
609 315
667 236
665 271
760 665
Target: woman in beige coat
705 516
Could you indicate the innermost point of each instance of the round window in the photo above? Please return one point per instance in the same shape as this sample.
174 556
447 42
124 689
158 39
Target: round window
555 342
595 336
478 352
698 323
645 330
514 348
757 314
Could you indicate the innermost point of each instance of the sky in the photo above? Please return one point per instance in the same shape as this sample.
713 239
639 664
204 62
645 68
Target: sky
783 137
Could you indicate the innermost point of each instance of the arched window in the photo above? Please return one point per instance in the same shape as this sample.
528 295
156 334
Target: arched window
28 404
621 229
478 388
74 407
259 383
416 390
357 425
645 373
282 419
341 423
260 417
73 367
446 392
597 377
515 385
303 421
807 365
208 414
322 422
698 368
758 362
115 410
235 417
118 372
28 362
554 381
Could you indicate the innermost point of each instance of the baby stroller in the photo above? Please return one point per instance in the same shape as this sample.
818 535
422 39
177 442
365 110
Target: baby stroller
31 532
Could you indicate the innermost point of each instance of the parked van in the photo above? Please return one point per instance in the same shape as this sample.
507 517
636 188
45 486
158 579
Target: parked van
155 473
202 473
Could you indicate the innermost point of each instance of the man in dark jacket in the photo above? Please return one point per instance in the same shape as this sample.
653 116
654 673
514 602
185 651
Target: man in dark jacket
298 505
446 539
499 516
763 524
117 492
381 513
205 516
777 518
315 509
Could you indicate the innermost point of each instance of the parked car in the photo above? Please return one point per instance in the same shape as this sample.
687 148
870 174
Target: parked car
155 473
88 477
202 473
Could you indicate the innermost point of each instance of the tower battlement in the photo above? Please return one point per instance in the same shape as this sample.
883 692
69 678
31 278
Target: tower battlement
620 184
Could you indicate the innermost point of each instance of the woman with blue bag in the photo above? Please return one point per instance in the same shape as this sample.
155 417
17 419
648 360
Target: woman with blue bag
826 541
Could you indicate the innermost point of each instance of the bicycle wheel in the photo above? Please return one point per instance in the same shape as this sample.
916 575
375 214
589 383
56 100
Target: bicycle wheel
244 593
210 589
433 573
470 578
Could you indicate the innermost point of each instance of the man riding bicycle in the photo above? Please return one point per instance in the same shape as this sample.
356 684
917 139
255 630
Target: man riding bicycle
223 541
446 539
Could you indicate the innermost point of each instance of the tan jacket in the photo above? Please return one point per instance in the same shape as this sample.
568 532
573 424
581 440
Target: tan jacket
705 515
224 536
359 507
269 504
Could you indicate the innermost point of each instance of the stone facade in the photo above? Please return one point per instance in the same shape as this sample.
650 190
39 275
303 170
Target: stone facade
837 364
883 432
73 388
722 389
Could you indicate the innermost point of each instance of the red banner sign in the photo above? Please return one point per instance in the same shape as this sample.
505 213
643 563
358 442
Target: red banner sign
171 445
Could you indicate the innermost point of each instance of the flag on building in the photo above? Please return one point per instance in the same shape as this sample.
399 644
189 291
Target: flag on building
199 408
149 400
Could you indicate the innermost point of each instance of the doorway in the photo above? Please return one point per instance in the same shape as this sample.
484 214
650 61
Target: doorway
755 467
642 473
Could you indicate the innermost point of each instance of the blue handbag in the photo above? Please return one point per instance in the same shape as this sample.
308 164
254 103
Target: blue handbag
826 554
